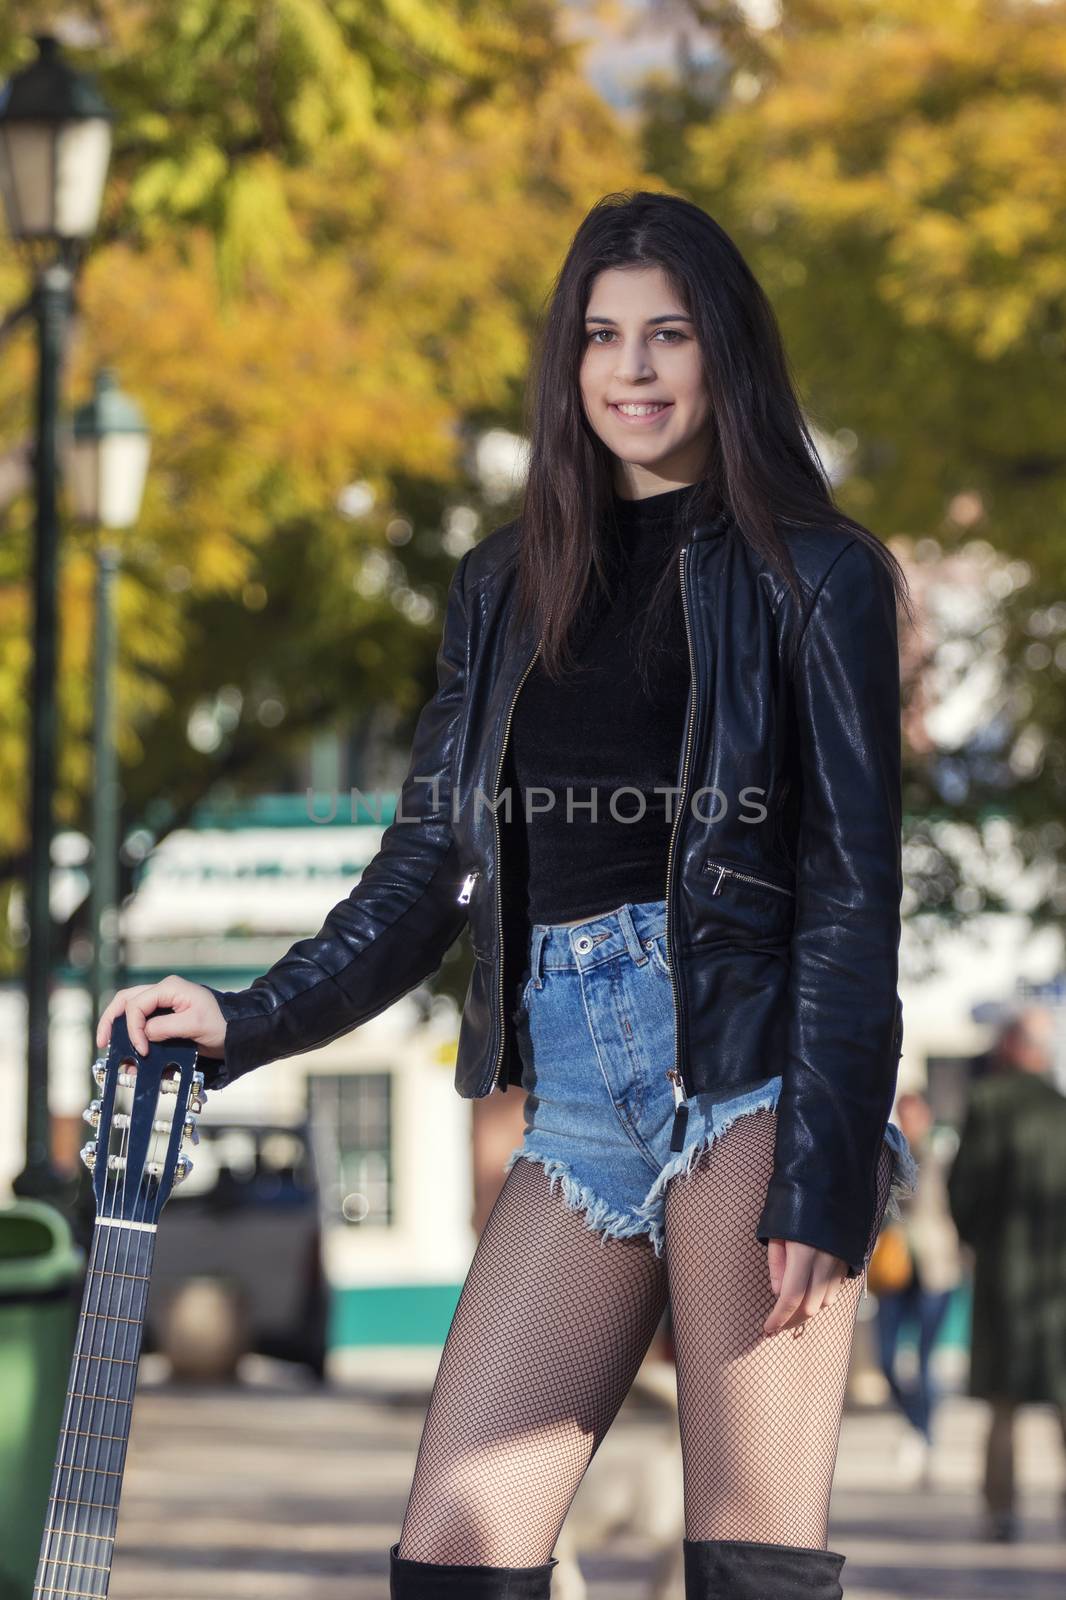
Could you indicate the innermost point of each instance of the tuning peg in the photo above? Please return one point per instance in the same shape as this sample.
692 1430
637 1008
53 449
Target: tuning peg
190 1130
100 1070
91 1114
182 1168
88 1154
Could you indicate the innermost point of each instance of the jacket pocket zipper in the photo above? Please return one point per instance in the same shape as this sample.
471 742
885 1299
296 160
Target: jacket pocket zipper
748 877
465 892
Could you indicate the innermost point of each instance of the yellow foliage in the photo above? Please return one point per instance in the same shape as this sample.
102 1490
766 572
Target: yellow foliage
935 130
327 230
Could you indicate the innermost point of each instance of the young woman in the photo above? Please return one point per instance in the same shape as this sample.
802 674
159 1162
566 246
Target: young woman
683 659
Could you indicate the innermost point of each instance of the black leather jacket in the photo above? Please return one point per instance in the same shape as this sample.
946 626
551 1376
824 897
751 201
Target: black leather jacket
783 884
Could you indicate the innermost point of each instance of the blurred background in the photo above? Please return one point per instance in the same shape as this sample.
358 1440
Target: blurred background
268 282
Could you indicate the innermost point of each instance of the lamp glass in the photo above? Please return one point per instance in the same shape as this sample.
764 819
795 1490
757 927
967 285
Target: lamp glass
26 163
105 477
122 474
83 150
52 176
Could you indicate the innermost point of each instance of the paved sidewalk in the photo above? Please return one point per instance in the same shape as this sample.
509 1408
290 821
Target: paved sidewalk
279 1491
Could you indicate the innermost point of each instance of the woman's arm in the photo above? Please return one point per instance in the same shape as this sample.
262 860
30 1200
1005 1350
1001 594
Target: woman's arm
840 1066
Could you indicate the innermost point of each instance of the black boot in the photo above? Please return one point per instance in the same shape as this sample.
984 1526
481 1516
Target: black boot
743 1569
428 1580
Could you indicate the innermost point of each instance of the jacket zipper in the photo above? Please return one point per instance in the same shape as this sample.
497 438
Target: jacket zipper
748 877
494 1081
676 1072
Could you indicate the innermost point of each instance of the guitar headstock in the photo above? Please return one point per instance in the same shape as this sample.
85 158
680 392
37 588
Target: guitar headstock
145 1115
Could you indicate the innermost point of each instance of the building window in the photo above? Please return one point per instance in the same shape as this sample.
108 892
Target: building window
351 1115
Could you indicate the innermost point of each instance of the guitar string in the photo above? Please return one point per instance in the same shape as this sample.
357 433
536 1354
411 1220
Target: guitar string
71 1418
130 1246
123 1248
113 1249
140 1243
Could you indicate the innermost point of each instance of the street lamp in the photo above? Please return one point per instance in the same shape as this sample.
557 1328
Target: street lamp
55 141
55 144
105 467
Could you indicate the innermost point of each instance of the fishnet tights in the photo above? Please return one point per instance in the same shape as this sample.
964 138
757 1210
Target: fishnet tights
551 1327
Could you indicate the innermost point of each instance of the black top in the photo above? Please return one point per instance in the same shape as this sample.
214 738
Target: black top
599 735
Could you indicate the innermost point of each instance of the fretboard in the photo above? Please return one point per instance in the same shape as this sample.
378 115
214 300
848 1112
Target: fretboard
82 1512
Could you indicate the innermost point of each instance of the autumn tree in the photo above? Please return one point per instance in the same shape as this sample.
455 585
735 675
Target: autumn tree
328 229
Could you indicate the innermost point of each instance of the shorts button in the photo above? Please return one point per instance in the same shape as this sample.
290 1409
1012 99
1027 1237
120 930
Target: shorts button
583 944
648 943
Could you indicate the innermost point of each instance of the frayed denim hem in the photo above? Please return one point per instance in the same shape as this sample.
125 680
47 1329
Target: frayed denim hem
686 1159
649 1219
576 1197
905 1175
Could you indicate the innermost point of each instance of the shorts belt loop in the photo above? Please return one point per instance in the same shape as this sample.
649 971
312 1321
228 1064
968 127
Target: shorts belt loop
540 933
631 937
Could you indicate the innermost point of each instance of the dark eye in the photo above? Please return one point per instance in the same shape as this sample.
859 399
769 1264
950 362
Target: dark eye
672 332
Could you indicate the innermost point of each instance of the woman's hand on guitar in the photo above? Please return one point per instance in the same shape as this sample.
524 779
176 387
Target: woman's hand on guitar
194 1015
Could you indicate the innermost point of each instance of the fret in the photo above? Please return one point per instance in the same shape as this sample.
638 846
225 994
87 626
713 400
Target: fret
122 1250
78 1449
84 1450
89 1594
106 1538
124 1276
107 1472
115 1292
104 1336
103 1439
103 1381
125 1265
86 1566
73 1394
61 1500
102 1355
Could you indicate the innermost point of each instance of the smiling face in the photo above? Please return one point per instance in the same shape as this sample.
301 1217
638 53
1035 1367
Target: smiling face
642 382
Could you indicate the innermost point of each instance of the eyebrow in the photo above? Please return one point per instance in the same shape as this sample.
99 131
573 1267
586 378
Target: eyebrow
670 316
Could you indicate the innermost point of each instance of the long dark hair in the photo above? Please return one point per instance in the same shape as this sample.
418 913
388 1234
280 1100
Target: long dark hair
763 466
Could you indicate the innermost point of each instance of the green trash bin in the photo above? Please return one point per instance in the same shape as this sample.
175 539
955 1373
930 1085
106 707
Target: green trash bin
40 1276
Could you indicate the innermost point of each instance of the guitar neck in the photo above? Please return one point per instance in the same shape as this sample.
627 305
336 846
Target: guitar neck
82 1513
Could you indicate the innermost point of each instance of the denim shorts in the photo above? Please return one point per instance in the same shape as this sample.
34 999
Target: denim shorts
595 1031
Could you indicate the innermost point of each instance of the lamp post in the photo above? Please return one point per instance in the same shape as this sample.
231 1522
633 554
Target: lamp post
55 143
105 468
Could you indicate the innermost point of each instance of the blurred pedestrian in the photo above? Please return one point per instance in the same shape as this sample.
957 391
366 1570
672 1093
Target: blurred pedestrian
926 1234
1007 1191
